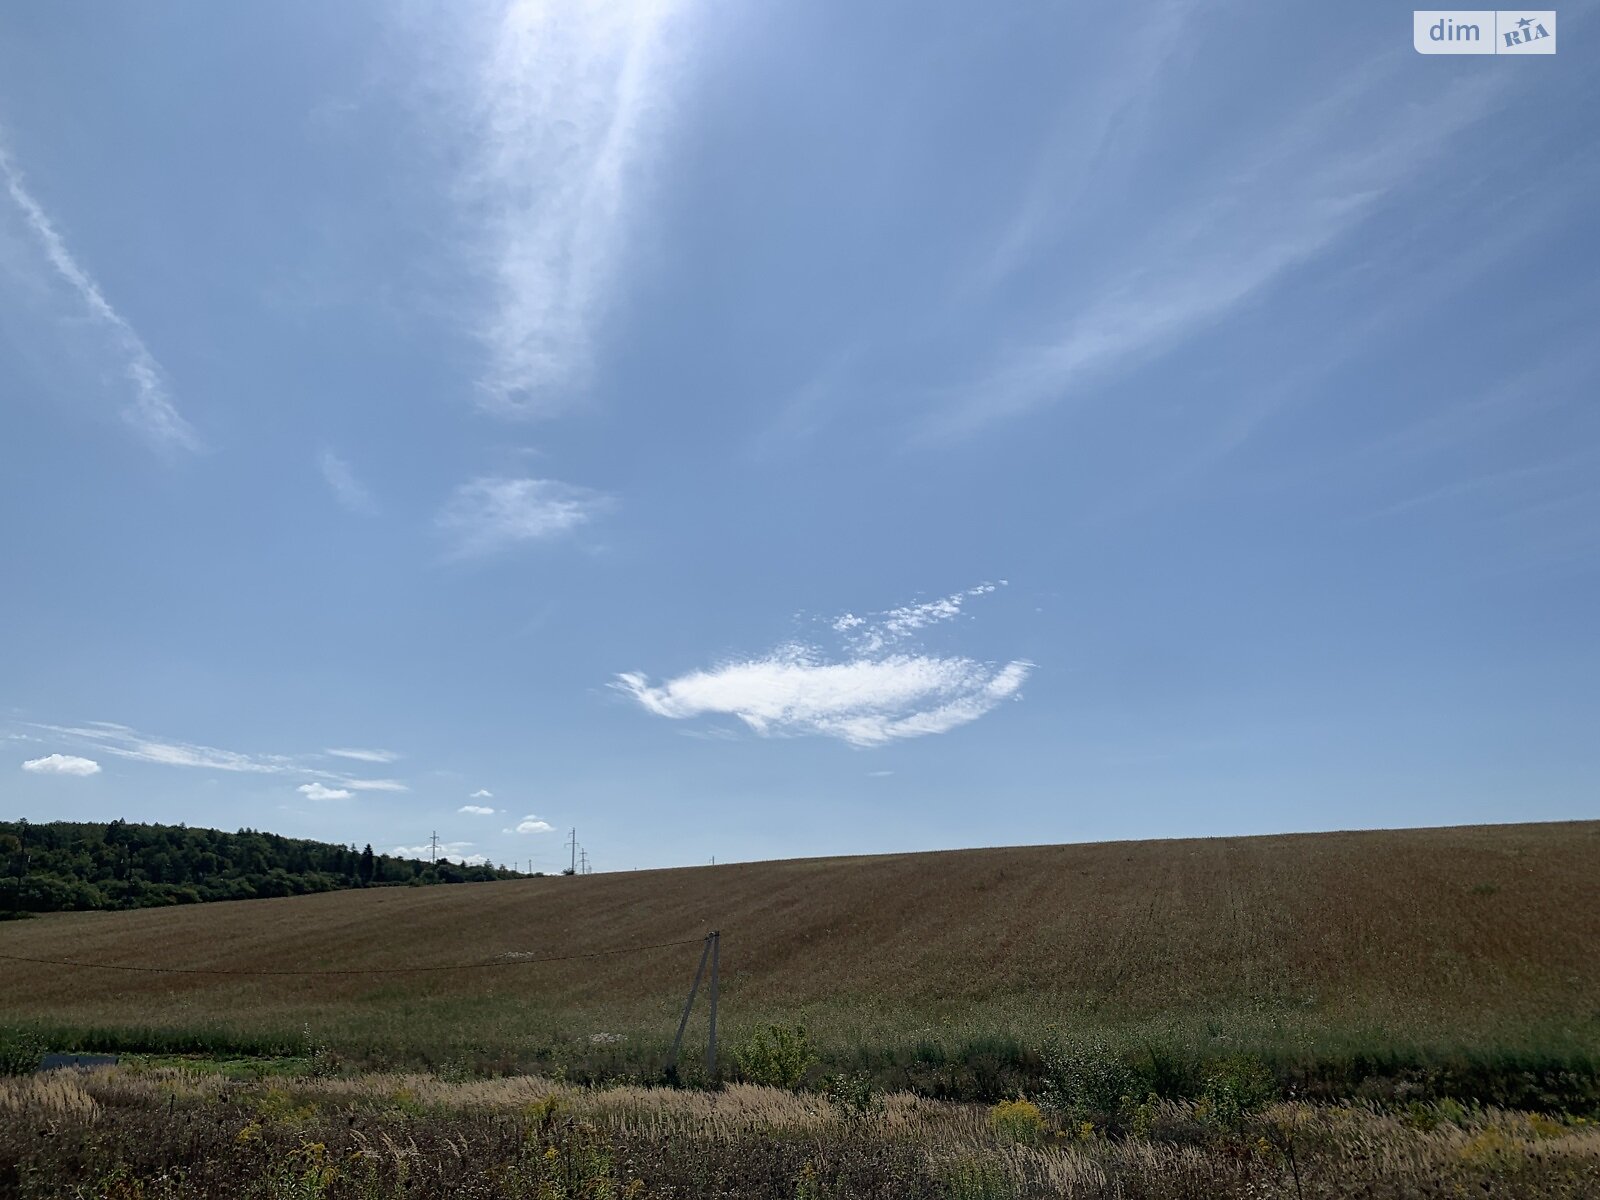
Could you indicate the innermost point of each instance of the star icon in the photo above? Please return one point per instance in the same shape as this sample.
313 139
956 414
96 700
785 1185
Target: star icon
1525 22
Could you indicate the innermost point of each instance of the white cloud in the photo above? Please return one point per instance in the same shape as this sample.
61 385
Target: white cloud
317 791
375 785
454 851
879 774
476 810
492 514
151 410
864 702
62 764
867 698
481 794
347 489
371 756
898 624
532 824
570 96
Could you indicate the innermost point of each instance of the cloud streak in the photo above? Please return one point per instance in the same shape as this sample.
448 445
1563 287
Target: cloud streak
110 738
877 693
570 97
346 488
151 409
1240 231
490 515
367 756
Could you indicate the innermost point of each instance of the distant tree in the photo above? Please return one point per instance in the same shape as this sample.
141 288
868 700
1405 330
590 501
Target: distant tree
368 865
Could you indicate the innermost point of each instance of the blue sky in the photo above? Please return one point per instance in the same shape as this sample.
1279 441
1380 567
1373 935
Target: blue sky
764 430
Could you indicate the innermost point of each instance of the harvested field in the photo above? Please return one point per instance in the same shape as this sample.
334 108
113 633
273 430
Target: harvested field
1419 945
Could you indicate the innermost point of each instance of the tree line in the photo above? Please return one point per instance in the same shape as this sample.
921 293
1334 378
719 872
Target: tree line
69 866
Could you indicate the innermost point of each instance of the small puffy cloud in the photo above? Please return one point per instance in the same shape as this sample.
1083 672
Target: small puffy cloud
494 514
371 756
318 791
62 764
532 824
477 810
481 794
879 774
374 785
454 851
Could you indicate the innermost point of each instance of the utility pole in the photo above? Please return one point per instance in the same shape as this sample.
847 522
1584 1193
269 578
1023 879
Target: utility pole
572 841
683 1022
708 954
711 1041
433 847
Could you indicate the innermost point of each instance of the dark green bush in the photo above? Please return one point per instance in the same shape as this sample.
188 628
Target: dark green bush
20 1051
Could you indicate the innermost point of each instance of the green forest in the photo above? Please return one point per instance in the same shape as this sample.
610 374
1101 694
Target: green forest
66 866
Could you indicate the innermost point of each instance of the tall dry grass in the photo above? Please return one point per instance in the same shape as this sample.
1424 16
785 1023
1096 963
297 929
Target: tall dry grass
384 1135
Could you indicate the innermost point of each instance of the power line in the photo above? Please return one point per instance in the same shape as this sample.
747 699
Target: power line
506 962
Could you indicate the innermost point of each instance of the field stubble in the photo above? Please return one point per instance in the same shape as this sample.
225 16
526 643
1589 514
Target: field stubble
1330 956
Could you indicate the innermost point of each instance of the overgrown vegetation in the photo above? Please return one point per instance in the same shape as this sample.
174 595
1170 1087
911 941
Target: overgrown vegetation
164 1134
73 867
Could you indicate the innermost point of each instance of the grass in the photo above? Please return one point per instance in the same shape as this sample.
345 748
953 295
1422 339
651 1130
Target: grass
160 1134
1348 964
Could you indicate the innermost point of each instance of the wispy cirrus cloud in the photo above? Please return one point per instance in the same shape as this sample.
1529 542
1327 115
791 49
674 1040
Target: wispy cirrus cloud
876 692
151 409
125 742
489 515
1272 209
369 756
872 633
341 479
62 764
570 99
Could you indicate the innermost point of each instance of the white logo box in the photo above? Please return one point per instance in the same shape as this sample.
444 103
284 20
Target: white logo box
1483 31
